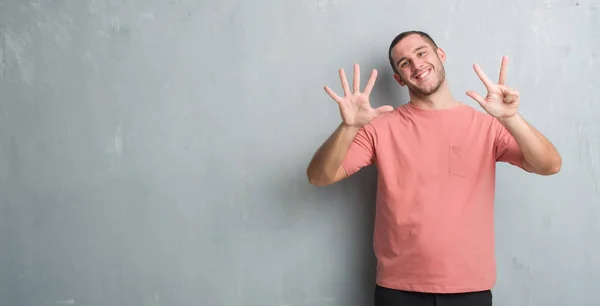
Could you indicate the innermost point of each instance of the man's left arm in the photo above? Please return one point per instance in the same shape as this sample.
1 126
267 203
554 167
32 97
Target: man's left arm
539 154
501 102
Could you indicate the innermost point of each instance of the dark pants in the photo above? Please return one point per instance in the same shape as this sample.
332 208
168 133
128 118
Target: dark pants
391 297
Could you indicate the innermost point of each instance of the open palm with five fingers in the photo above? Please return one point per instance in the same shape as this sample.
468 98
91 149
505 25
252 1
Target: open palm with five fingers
501 101
355 107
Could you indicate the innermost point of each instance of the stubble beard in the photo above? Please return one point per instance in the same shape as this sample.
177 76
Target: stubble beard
419 92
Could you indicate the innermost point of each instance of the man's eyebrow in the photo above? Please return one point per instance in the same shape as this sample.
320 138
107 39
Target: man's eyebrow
403 58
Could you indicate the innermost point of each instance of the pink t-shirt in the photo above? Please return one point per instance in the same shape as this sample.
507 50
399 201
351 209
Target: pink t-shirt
434 224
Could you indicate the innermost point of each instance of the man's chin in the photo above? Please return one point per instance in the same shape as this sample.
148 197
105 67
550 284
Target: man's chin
423 92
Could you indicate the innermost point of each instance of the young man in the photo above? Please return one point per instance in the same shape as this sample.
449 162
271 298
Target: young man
436 157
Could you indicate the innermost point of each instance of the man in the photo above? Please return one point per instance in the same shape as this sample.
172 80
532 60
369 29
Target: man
436 157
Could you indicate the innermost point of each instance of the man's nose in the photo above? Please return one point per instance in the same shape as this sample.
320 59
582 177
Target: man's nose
415 65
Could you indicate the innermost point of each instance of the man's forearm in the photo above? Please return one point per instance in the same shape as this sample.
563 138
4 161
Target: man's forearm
540 155
325 163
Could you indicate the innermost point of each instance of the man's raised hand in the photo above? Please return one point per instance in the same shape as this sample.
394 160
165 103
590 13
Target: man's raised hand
501 101
355 107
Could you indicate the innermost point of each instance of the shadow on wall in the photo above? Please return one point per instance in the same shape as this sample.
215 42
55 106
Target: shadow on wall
354 199
352 203
364 185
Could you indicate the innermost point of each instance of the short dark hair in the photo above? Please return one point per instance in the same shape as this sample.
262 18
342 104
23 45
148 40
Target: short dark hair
401 36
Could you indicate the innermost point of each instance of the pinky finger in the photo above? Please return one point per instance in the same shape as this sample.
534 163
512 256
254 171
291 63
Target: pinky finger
332 94
371 82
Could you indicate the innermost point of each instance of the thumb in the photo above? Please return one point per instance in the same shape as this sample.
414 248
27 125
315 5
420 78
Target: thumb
476 97
383 109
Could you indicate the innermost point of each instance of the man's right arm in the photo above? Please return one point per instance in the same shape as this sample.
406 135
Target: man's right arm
325 168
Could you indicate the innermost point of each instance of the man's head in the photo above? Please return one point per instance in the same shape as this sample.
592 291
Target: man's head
417 62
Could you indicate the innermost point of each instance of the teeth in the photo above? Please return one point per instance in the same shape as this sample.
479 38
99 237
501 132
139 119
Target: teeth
422 75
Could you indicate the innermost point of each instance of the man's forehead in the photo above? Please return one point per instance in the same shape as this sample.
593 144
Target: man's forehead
409 45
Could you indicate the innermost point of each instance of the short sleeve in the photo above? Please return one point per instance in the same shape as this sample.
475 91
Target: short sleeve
506 147
361 152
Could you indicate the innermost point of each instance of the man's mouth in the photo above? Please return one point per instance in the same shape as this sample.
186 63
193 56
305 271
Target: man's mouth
422 75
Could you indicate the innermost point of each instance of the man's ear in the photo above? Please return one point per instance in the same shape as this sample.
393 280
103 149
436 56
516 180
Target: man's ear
399 79
441 54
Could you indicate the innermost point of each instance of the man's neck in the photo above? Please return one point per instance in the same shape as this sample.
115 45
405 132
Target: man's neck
441 99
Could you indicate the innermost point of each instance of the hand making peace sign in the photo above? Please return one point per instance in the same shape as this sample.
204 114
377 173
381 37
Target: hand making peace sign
501 101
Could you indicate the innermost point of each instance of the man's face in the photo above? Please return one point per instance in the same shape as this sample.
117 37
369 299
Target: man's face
420 66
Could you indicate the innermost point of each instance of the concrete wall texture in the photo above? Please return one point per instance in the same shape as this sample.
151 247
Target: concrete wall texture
154 152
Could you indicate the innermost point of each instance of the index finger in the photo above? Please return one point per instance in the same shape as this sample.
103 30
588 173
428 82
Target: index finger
503 68
371 82
483 77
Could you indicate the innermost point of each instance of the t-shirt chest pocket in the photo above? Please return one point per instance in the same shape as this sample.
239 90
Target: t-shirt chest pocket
464 161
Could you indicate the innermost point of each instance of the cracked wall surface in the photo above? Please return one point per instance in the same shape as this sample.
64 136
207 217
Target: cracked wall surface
154 152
